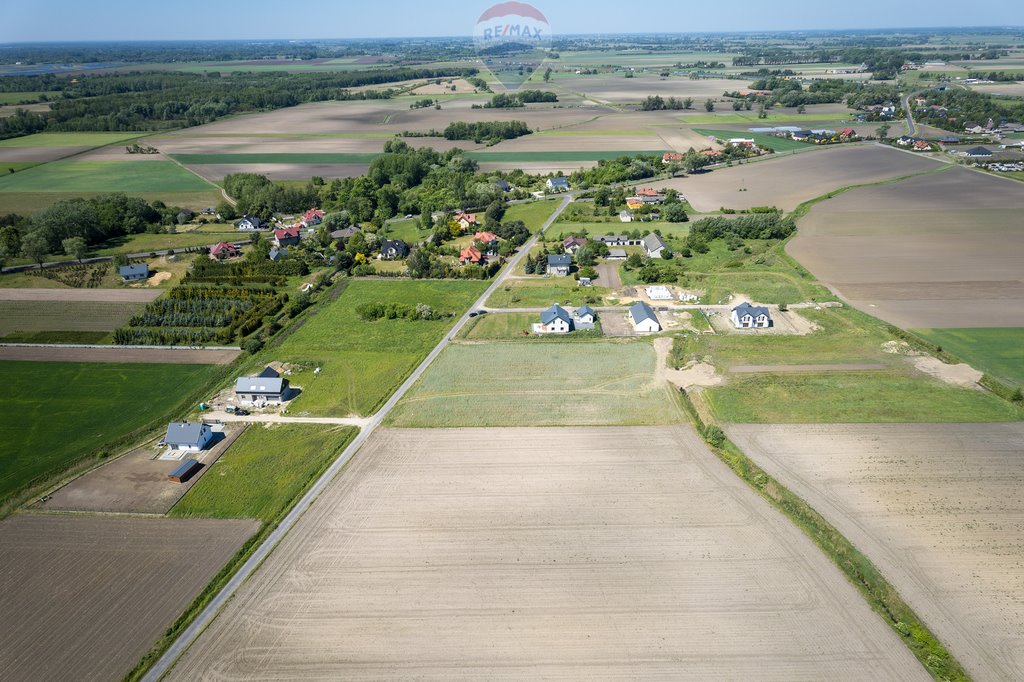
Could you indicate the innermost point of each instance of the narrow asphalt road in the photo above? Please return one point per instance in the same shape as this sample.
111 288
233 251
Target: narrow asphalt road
207 615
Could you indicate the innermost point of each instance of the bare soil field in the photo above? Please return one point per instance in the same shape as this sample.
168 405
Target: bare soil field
787 181
939 508
618 89
489 554
182 356
108 295
282 171
230 144
941 250
582 143
29 154
85 597
444 87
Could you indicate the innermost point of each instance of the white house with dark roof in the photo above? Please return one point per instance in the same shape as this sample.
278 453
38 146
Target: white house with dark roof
250 223
266 388
643 318
188 436
555 320
654 245
584 317
746 316
558 183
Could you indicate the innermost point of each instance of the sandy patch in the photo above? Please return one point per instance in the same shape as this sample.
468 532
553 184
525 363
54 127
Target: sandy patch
694 374
159 277
962 375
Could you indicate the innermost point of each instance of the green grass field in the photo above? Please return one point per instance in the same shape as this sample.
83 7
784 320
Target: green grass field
264 471
533 213
145 242
518 326
997 351
751 117
15 97
68 139
567 155
132 177
50 316
779 144
853 398
539 384
58 412
28 202
543 291
407 230
364 362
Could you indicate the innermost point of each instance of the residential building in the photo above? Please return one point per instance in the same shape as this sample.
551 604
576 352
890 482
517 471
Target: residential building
746 316
625 216
266 388
643 318
978 153
250 223
277 254
391 249
287 236
573 244
188 436
312 217
471 254
134 273
556 320
671 157
345 233
489 240
585 315
558 183
653 245
224 250
559 264
465 220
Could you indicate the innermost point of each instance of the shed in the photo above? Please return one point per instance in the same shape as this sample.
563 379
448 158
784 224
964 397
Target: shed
184 471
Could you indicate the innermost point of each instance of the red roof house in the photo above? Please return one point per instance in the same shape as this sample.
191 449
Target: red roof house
312 217
465 219
847 133
288 236
485 237
671 157
470 254
222 250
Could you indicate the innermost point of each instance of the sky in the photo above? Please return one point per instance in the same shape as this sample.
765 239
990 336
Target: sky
70 20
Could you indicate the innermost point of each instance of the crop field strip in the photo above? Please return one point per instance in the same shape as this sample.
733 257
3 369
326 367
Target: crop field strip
937 507
33 316
76 175
545 561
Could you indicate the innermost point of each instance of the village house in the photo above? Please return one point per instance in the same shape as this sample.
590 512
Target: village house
471 254
559 264
266 388
573 244
391 249
489 240
654 246
287 236
558 184
224 250
277 254
345 233
921 146
671 157
712 153
978 153
746 316
616 254
643 318
847 134
625 216
250 223
134 273
584 318
312 217
555 320
465 220
188 436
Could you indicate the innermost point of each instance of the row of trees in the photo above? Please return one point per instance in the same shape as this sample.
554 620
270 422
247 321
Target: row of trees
486 131
519 99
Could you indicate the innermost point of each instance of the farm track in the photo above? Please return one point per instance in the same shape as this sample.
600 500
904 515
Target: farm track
102 295
118 354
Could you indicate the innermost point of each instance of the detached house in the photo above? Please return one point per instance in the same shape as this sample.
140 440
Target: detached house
224 250
643 318
266 388
133 273
584 318
489 240
390 249
573 244
465 220
559 264
556 320
313 216
558 184
746 316
287 236
471 254
250 223
978 153
671 157
653 245
188 436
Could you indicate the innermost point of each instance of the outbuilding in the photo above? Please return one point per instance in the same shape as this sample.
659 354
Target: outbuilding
184 471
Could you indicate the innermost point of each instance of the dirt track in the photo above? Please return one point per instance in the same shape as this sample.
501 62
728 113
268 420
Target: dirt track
112 295
82 598
117 354
544 553
939 508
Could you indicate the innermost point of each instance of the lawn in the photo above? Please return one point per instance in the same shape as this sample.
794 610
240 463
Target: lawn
362 363
65 316
59 412
408 231
264 471
509 326
895 396
532 213
751 117
997 351
540 384
32 201
68 139
544 291
16 97
73 175
779 144
145 242
282 157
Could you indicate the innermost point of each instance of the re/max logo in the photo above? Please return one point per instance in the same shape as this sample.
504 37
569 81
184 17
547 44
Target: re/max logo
511 31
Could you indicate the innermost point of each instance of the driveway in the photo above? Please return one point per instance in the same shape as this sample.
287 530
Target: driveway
608 276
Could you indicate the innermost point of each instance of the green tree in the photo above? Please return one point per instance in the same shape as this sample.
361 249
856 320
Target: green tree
675 213
709 105
801 109
547 75
883 131
75 247
10 241
687 103
35 247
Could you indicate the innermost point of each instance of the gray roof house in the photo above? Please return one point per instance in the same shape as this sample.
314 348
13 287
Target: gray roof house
393 248
653 245
978 153
556 320
250 223
133 273
345 233
643 317
746 316
558 184
265 388
277 254
584 318
616 254
559 264
190 436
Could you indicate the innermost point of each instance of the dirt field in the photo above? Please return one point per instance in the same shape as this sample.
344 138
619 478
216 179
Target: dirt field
84 597
787 181
939 508
623 552
110 295
616 88
135 483
181 356
941 250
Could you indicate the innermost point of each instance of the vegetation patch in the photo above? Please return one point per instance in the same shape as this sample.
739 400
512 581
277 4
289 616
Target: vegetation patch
74 175
993 350
64 316
542 292
762 140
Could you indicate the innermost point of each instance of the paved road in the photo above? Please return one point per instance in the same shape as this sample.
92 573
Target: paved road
227 417
209 613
